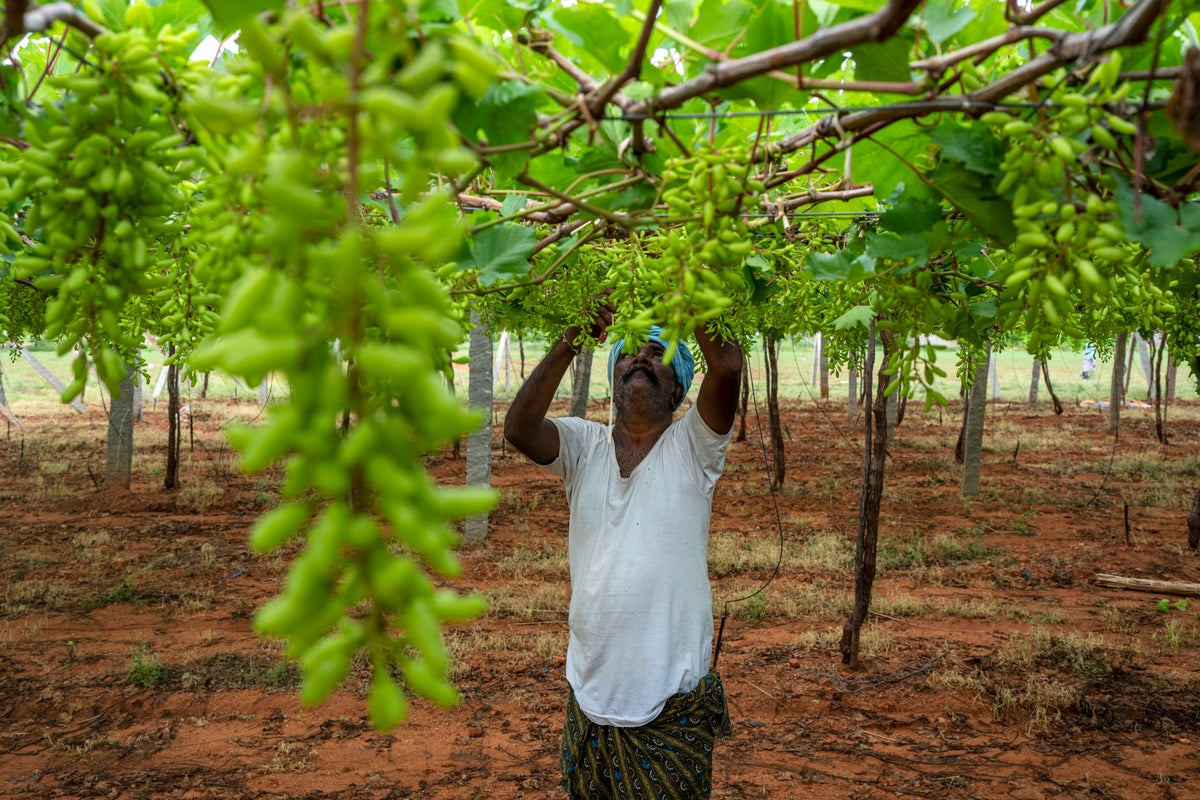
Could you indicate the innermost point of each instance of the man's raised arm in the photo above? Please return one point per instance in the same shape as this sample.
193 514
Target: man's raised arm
718 398
525 426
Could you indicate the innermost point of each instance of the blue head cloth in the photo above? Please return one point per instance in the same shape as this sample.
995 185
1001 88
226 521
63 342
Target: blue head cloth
683 363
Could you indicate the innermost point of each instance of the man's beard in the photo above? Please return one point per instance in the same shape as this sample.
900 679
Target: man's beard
657 393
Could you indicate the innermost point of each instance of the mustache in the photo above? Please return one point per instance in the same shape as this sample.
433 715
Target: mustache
640 368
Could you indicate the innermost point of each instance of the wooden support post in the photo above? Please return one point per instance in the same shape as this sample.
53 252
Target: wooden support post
4 409
480 396
119 445
1193 522
994 376
852 395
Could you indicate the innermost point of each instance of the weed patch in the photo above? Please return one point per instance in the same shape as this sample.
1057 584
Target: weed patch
147 669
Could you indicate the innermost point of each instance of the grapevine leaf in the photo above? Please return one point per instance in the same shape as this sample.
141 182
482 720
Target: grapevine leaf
506 114
595 30
858 5
718 22
500 14
502 252
10 116
600 157
830 266
857 317
974 146
911 215
636 197
1170 160
944 18
910 247
231 13
973 195
110 12
1168 234
180 14
439 11
983 311
991 19
887 157
884 61
679 13
512 204
756 272
772 25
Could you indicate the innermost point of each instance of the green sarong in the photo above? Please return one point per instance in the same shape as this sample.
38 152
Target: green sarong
669 758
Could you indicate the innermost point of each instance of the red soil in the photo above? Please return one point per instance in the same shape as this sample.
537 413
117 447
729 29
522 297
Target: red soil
960 693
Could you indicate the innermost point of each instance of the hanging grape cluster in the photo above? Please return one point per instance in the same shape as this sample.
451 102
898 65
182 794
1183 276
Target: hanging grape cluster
684 275
339 297
101 176
1070 245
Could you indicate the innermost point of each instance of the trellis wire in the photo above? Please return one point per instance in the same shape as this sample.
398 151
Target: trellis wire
816 112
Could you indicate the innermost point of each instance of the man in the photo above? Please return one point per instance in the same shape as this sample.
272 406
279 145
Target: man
643 709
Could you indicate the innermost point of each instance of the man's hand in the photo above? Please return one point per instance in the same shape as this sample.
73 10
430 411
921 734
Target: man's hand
597 330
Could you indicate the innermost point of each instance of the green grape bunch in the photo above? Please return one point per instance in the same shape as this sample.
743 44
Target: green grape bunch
689 270
345 305
22 309
99 184
1070 245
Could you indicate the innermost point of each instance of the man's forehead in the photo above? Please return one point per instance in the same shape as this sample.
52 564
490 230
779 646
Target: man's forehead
650 343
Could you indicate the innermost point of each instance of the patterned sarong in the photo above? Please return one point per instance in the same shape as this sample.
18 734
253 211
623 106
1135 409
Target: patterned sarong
669 758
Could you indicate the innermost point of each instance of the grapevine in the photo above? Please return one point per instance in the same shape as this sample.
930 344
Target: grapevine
100 178
347 310
329 205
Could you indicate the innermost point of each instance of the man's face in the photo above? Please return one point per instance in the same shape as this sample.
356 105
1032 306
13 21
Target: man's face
642 376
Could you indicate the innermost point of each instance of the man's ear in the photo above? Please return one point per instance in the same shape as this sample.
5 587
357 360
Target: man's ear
677 395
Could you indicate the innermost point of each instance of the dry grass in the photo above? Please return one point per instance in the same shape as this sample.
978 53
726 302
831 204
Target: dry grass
535 561
41 593
527 601
199 497
780 601
731 553
826 551
1035 677
873 641
47 492
291 757
982 608
1041 699
900 606
514 649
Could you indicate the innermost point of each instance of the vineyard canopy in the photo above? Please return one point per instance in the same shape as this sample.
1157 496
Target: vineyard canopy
333 190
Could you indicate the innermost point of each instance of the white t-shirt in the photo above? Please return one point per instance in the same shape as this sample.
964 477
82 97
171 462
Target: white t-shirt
641 606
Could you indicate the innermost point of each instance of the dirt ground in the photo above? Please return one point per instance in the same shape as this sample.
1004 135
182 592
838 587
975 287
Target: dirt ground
993 665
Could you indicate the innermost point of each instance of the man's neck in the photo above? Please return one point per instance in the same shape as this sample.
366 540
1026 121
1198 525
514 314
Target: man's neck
633 440
642 429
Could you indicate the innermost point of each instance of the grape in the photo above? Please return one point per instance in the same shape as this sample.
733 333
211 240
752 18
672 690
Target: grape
307 269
